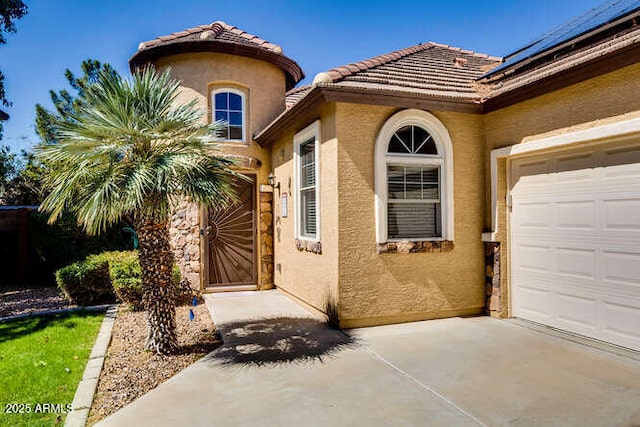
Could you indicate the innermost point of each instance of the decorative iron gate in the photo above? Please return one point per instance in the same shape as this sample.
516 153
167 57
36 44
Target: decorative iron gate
231 240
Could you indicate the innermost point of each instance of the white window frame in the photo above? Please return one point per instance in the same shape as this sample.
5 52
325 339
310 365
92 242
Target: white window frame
444 160
311 131
243 97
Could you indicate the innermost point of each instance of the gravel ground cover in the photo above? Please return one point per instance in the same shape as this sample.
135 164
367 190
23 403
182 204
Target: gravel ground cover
23 301
130 371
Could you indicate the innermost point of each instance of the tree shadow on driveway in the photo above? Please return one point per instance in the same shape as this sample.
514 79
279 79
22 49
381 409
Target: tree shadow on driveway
276 341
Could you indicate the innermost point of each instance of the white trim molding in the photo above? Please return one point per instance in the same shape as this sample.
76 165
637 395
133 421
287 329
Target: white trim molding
444 159
243 97
597 134
310 132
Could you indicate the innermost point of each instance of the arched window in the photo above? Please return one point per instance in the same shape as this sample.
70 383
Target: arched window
414 179
228 107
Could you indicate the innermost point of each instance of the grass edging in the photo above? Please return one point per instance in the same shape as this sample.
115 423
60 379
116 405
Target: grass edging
86 390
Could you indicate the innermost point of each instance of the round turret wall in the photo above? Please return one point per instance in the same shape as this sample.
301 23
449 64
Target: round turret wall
263 85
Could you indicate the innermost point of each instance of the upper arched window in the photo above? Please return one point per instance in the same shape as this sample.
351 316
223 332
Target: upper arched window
228 107
414 179
412 139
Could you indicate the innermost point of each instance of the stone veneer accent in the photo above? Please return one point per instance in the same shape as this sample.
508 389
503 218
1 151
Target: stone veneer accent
309 246
184 236
406 247
266 240
492 277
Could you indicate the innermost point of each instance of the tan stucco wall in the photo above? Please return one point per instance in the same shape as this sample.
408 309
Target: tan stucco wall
371 288
606 99
387 288
264 86
311 277
265 81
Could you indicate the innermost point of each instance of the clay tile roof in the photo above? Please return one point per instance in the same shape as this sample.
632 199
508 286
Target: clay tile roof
221 30
429 68
294 95
217 37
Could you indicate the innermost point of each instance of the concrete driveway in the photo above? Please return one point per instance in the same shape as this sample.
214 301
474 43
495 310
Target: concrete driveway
280 366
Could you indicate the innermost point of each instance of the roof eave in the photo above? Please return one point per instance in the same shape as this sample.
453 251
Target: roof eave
329 92
292 70
3 115
311 100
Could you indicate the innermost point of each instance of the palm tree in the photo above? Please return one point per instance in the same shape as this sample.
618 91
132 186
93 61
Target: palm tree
132 151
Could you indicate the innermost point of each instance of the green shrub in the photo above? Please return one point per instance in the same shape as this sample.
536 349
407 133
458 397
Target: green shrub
120 272
126 277
86 282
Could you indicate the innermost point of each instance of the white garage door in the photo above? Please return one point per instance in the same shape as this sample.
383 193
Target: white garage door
575 242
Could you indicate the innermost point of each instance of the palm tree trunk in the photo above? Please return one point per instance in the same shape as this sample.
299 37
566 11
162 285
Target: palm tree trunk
156 262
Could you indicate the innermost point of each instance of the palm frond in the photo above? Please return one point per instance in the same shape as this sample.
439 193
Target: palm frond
130 148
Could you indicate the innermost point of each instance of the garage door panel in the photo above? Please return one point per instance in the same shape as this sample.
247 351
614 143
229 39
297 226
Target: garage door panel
579 313
621 214
625 171
533 258
536 214
578 214
535 303
575 242
625 240
621 267
579 262
576 177
625 291
536 280
621 322
581 289
558 237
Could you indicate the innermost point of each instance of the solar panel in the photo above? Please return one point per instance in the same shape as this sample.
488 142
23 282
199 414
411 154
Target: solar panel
596 17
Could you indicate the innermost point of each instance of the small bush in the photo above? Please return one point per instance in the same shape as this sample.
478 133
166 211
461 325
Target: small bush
119 271
126 277
86 282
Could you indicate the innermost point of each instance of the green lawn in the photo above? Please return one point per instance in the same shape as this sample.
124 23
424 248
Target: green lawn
41 363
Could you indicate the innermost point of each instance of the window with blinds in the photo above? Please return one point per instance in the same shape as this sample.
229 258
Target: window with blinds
307 188
413 204
414 208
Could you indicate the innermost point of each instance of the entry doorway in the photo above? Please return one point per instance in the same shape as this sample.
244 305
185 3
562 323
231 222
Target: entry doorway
230 242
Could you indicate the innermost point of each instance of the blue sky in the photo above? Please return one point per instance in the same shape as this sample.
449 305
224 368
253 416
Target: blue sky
319 35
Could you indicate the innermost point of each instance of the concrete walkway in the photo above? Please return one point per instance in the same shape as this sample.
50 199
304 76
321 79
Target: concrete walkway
280 366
